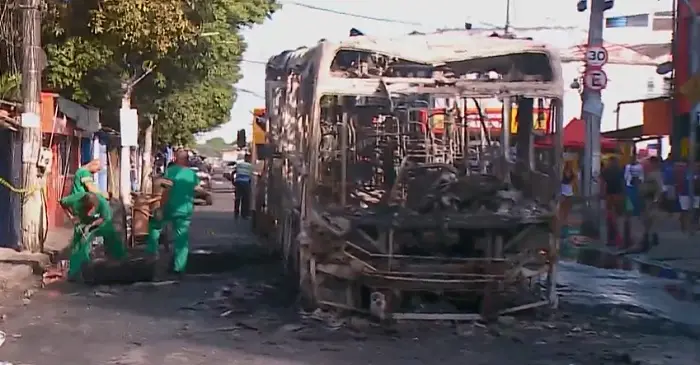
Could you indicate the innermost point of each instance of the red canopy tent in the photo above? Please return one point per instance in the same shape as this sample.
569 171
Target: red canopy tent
574 136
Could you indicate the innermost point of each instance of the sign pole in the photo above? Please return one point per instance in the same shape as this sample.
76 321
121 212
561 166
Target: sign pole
691 90
591 113
694 117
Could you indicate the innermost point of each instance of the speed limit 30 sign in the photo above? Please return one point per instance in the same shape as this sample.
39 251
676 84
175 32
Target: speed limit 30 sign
596 56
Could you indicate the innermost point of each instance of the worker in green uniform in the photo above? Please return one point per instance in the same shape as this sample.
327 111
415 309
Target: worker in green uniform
177 206
83 182
92 217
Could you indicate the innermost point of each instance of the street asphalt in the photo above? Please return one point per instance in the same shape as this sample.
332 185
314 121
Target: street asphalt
248 317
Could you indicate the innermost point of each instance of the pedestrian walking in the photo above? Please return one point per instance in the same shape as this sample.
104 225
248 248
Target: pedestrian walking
242 179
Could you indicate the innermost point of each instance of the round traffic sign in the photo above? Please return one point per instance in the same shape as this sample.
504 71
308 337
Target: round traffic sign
596 79
596 56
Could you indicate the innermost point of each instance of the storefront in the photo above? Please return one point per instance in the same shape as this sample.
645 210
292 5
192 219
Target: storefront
683 44
10 162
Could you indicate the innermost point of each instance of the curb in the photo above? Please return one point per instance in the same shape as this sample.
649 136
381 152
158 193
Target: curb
16 277
573 243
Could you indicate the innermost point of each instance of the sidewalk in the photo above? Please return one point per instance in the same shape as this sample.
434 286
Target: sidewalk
677 251
22 270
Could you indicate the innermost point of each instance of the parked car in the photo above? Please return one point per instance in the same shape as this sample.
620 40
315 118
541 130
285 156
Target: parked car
228 170
205 183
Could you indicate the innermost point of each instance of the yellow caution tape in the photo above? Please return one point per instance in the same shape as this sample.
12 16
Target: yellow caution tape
13 189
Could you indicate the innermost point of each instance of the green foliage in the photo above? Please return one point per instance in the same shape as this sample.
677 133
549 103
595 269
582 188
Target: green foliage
217 143
176 60
10 86
194 109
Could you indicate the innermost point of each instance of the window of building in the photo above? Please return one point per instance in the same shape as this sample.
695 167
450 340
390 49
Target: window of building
662 24
663 21
665 14
639 20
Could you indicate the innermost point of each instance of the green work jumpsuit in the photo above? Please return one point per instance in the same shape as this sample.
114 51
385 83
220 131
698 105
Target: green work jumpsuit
82 176
176 211
80 245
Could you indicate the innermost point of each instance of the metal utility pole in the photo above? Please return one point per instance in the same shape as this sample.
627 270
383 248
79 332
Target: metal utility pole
694 117
31 123
507 27
591 112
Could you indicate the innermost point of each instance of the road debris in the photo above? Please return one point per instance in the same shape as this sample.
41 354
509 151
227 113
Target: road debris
105 291
151 284
330 319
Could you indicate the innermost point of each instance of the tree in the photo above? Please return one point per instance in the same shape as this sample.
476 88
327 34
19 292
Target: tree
119 40
217 143
173 60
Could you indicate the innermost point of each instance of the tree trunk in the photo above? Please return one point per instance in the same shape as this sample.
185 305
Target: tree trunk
147 163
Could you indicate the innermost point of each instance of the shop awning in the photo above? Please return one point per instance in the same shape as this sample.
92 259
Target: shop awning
574 136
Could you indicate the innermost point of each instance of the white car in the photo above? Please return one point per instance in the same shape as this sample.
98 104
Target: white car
205 184
228 170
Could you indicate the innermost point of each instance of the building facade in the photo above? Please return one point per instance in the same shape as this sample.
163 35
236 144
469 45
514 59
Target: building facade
640 22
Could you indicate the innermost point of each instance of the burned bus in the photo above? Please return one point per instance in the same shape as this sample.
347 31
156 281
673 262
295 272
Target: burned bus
385 194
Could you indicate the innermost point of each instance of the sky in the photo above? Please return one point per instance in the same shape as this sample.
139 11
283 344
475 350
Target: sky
299 24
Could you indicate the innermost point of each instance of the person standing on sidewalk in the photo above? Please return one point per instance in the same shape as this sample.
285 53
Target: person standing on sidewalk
651 192
92 218
568 183
242 178
614 182
683 186
177 206
669 200
83 182
634 176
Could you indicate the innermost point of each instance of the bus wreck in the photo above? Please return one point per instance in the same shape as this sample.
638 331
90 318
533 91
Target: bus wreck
388 195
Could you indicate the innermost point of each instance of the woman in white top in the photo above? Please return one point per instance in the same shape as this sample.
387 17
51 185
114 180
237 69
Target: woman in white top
568 180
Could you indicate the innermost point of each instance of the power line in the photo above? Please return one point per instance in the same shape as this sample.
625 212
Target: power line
368 17
256 62
360 16
249 92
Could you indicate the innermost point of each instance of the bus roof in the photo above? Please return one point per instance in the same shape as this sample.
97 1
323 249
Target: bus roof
433 48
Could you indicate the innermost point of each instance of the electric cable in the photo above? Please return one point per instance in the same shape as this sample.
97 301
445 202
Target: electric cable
369 17
360 16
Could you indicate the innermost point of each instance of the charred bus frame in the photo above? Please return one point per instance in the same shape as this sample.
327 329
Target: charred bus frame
376 210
